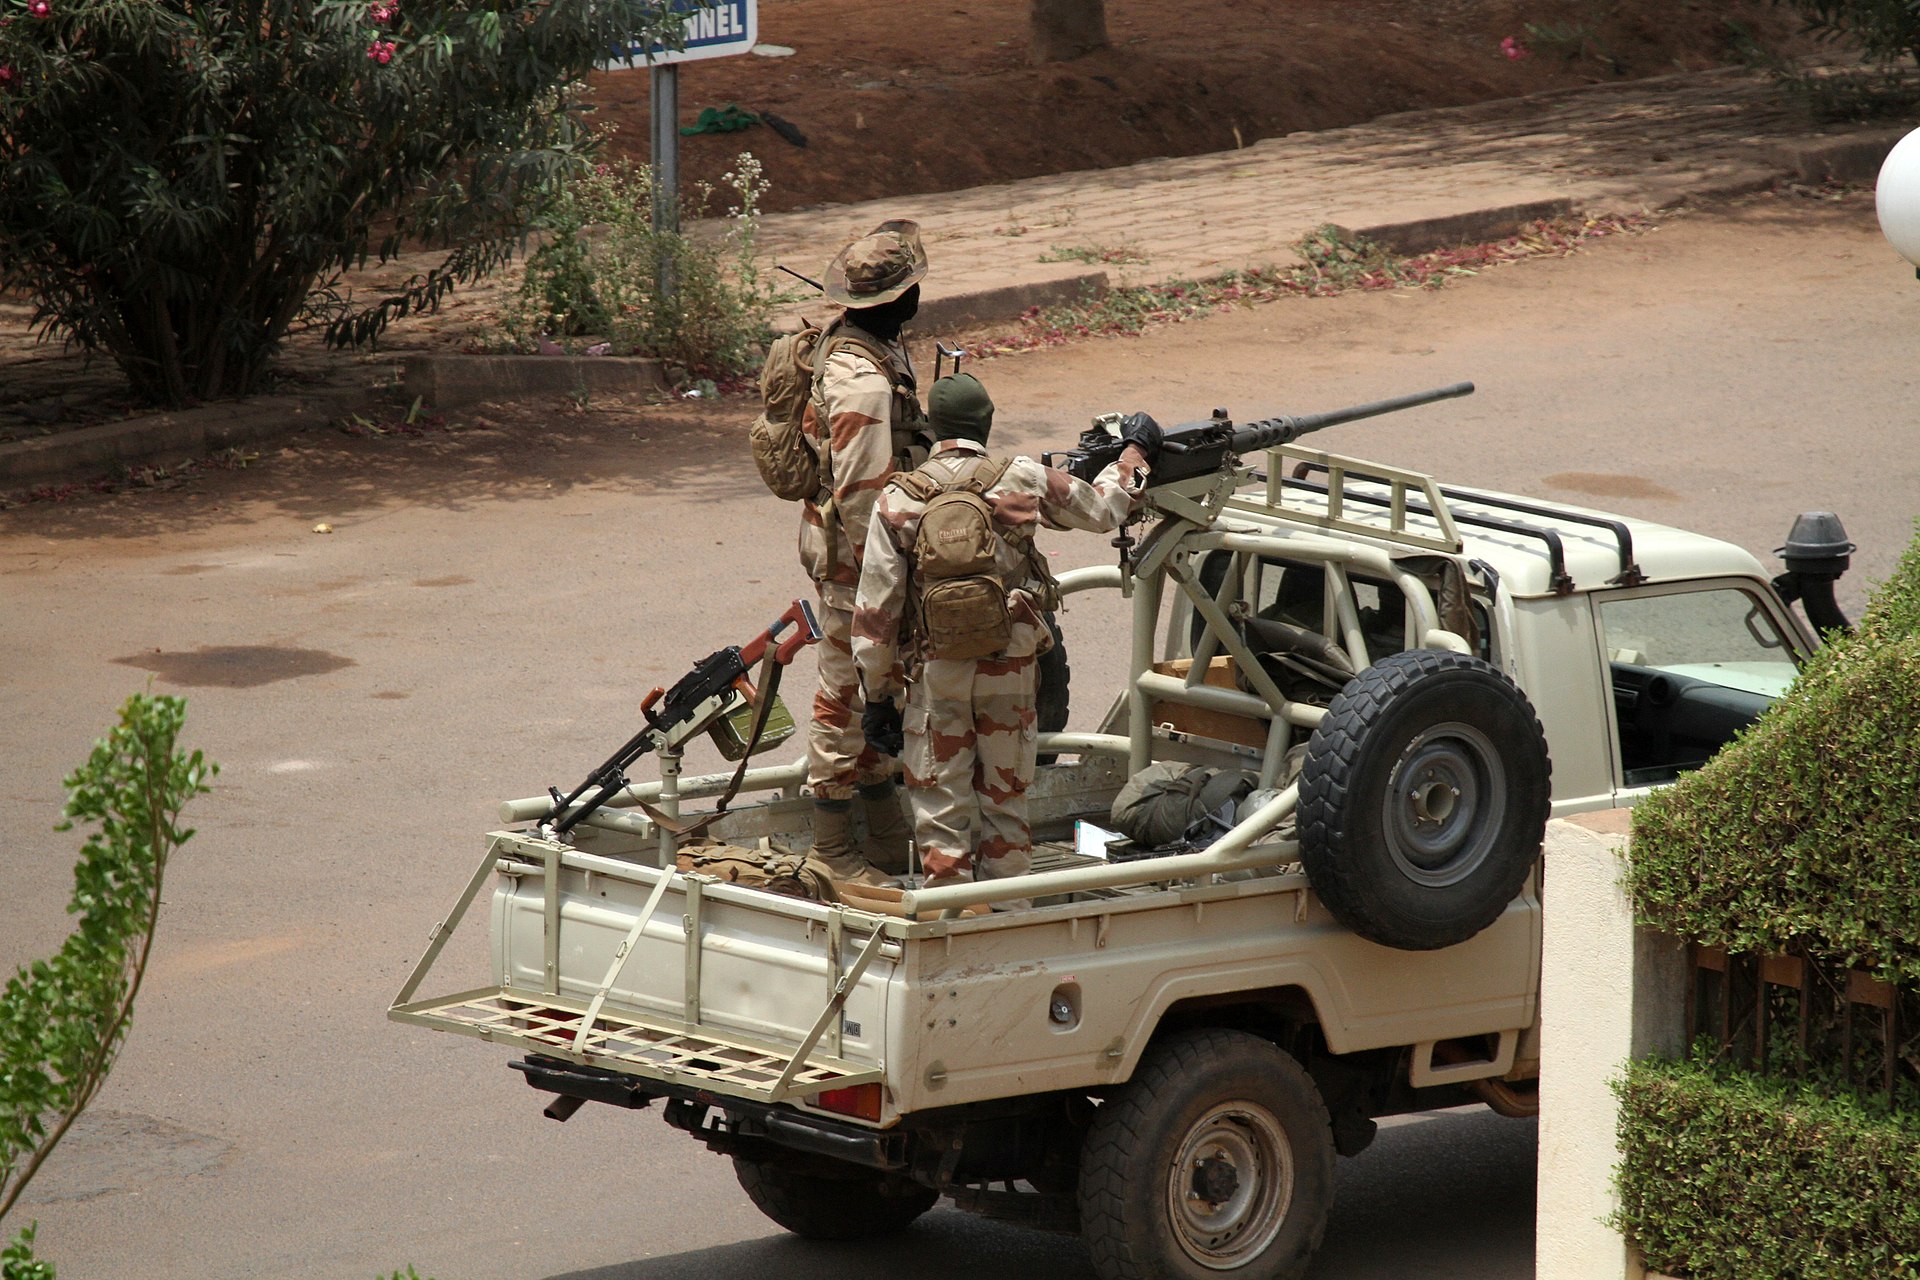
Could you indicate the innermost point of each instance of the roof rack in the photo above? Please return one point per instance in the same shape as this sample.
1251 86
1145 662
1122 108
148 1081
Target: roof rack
1339 470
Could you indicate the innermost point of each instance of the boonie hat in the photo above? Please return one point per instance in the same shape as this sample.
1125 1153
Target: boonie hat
879 266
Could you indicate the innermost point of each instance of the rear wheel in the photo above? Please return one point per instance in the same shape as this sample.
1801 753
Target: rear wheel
858 1206
1215 1160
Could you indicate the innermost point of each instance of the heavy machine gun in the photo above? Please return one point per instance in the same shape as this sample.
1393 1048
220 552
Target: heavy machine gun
1201 448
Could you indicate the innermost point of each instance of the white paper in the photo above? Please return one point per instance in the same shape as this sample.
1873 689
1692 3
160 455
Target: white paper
1090 841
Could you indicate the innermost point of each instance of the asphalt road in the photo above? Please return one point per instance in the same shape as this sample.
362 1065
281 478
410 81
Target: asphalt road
492 602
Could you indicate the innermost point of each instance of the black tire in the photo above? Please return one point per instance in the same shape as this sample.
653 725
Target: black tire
859 1206
1423 799
1051 681
1208 1114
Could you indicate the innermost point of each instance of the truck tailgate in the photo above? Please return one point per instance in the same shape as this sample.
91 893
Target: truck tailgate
734 990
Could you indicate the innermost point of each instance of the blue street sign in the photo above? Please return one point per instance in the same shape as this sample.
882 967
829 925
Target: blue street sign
718 31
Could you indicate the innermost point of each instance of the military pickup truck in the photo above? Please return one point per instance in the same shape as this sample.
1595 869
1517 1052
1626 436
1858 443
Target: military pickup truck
1164 1053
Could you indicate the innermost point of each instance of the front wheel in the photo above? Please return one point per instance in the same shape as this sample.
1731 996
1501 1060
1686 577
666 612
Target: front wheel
1215 1160
859 1206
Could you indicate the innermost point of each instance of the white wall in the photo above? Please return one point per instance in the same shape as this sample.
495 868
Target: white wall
1609 992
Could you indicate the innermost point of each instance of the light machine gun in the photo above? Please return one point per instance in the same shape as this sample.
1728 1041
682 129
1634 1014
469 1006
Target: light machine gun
1201 448
717 684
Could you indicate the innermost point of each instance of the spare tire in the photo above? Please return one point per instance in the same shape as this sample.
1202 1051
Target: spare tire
1423 799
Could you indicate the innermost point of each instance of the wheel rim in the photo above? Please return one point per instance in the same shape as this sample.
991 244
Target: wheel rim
1443 805
1230 1185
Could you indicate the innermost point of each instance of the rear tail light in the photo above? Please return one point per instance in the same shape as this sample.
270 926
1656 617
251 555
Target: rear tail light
861 1100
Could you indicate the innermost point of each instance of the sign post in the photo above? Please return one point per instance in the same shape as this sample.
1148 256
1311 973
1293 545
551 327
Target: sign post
717 30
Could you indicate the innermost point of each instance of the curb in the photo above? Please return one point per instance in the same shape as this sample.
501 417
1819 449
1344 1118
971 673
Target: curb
169 437
1424 235
447 381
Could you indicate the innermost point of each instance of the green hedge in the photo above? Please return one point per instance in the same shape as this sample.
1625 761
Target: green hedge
1805 833
1728 1177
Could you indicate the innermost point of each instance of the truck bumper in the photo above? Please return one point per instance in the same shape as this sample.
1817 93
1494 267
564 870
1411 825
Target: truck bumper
741 1123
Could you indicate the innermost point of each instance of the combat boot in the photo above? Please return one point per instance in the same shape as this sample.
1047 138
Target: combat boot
889 837
833 844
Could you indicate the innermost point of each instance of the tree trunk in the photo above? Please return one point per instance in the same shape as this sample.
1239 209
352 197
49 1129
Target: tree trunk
1066 29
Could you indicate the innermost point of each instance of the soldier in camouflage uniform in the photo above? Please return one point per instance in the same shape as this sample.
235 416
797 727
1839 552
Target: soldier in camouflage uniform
969 724
864 417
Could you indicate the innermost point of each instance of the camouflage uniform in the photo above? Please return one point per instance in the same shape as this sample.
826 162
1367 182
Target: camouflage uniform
865 420
868 434
970 723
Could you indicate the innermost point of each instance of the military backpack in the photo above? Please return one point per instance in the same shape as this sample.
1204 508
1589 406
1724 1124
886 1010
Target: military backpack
960 601
790 461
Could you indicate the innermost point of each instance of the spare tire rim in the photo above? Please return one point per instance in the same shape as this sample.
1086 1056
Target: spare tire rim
1229 1187
1443 805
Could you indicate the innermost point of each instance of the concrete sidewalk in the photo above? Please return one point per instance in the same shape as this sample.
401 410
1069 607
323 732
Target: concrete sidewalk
1414 181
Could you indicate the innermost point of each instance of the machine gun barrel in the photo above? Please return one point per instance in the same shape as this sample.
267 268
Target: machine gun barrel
1271 433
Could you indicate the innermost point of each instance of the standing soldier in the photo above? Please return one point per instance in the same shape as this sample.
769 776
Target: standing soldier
950 553
865 421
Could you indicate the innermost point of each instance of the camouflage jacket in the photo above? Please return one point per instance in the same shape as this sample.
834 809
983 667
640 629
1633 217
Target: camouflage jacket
869 421
1026 497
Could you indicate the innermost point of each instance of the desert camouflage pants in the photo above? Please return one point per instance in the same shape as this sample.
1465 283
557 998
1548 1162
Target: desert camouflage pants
970 728
838 757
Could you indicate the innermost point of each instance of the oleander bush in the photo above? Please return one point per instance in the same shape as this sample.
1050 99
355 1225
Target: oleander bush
1728 1176
182 183
1804 835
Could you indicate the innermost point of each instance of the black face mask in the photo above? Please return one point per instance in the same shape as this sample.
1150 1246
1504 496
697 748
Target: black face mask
886 320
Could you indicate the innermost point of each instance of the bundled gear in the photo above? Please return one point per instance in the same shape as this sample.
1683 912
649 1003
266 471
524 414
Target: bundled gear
1171 803
777 870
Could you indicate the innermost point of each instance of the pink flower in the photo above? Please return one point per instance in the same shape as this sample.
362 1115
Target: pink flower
381 51
39 8
1514 49
383 13
6 73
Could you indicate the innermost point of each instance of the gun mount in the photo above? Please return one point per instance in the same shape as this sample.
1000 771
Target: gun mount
1198 448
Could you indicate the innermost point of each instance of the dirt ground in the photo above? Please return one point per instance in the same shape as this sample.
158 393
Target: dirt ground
897 98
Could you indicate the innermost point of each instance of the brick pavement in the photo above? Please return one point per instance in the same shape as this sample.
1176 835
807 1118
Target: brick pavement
1606 149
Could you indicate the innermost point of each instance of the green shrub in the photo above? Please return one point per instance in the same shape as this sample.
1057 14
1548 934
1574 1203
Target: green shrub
63 1019
597 274
1805 833
1728 1177
182 182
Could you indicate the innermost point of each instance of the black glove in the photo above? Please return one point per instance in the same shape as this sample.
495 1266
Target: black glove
1143 432
881 725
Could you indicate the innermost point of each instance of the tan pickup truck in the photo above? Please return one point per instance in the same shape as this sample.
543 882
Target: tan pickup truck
1165 1053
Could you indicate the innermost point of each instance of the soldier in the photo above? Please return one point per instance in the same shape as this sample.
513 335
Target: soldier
864 417
969 725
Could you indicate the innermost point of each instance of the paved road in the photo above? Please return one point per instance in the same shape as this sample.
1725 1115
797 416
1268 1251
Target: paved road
492 602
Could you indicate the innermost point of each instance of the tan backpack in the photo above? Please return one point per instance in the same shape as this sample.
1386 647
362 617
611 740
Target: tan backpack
769 867
961 601
790 461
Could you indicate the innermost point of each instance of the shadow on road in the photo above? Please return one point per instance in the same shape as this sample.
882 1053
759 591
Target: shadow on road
1439 1197
480 456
